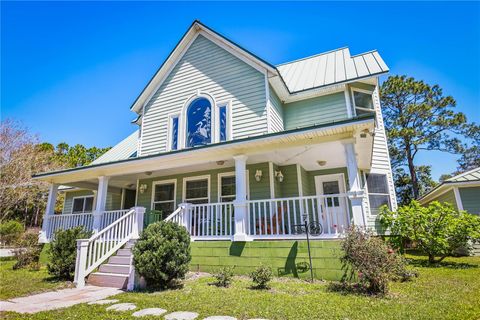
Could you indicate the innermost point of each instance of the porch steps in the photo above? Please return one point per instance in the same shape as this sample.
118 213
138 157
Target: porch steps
115 272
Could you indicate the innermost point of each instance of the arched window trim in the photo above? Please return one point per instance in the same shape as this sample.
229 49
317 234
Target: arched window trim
183 121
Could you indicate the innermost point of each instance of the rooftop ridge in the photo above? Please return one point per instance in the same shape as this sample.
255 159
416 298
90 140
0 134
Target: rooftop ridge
312 56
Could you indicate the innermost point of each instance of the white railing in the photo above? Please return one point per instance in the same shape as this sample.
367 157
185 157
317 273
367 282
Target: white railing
67 221
277 218
108 217
206 221
94 251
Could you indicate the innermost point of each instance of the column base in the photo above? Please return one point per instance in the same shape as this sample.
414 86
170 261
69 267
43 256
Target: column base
241 237
42 237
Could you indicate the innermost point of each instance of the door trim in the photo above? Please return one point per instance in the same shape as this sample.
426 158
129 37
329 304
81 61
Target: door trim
329 177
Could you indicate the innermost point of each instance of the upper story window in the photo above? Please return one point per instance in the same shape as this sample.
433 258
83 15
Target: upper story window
174 132
362 101
198 123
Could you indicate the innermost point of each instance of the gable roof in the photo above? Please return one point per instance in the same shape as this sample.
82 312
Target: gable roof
471 175
329 68
288 79
125 149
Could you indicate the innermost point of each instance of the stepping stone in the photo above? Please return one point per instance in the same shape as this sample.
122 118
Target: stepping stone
181 315
106 301
220 318
122 307
149 312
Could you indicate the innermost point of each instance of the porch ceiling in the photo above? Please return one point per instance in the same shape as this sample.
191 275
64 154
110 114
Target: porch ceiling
304 146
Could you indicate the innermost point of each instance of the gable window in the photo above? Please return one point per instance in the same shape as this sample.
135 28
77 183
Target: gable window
378 194
224 125
164 197
174 132
198 123
363 101
197 190
82 204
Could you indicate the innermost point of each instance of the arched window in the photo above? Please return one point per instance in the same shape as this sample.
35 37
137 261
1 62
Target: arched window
198 123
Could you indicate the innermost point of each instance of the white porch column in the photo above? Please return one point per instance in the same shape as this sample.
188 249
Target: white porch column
355 192
101 201
240 203
49 211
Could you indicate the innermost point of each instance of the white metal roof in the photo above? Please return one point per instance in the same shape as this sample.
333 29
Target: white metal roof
123 150
471 175
330 68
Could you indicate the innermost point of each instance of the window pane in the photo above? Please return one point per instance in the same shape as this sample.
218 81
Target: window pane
363 100
198 201
164 192
166 208
223 123
228 186
196 189
174 133
78 205
89 204
376 201
199 126
377 183
331 187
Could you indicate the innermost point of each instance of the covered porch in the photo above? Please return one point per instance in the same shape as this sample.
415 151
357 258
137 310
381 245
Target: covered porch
250 189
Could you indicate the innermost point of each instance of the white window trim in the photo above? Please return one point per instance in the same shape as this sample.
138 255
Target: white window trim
195 178
182 136
352 91
169 131
160 182
83 210
368 193
228 105
230 174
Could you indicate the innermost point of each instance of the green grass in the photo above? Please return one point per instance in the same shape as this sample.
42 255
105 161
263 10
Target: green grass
23 282
449 291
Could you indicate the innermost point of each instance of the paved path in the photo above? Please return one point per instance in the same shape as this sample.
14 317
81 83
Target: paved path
57 299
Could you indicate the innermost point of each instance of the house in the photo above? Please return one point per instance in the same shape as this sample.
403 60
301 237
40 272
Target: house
463 191
240 152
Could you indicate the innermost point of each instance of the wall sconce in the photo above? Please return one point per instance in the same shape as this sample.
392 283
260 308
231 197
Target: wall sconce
143 188
279 176
258 175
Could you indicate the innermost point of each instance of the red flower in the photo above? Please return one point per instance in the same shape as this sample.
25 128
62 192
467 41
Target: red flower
390 251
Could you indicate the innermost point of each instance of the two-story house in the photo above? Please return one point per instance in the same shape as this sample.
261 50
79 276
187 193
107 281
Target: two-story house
240 152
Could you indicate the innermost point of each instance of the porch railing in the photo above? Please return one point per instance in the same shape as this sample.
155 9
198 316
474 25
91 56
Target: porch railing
108 217
68 221
276 218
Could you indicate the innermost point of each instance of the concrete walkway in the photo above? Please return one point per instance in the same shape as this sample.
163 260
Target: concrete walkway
57 299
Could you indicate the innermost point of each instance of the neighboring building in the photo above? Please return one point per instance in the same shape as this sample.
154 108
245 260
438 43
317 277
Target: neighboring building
463 191
236 149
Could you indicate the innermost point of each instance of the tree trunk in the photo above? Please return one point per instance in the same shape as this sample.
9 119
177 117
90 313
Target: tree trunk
431 258
413 173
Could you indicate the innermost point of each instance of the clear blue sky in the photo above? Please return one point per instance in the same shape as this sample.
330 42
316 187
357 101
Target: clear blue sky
71 70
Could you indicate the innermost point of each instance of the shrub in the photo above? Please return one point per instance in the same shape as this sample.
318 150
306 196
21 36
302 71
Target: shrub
261 276
63 252
224 276
438 229
370 261
28 253
162 254
10 232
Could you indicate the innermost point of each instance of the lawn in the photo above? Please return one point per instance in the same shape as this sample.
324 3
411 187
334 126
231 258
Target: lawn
22 282
449 291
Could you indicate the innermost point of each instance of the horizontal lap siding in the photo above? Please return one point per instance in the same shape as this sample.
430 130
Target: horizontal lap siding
276 115
113 201
470 199
208 68
313 111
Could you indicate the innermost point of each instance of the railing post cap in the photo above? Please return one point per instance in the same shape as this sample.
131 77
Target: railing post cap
82 242
139 209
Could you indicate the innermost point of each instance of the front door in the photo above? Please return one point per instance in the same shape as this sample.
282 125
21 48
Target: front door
332 207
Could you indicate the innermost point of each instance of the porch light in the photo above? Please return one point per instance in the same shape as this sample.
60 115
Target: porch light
258 175
279 176
321 162
220 163
143 188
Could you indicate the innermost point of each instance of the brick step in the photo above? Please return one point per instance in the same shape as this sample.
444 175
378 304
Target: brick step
113 280
115 268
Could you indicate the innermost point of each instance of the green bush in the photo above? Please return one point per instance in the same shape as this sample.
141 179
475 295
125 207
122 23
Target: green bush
63 251
11 232
28 252
223 276
437 229
370 261
261 276
162 254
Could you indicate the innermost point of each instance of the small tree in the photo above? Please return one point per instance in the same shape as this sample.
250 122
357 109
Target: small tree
224 276
438 229
10 232
261 276
162 254
63 252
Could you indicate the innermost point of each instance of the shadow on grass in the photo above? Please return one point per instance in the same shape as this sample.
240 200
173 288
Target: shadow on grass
349 288
423 263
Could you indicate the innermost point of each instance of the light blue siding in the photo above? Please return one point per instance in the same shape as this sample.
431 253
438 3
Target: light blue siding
470 199
208 68
276 115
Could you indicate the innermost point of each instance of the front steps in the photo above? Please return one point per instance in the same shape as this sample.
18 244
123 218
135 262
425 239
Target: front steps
115 272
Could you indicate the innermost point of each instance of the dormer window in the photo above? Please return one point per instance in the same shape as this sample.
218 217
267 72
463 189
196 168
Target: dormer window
362 101
198 123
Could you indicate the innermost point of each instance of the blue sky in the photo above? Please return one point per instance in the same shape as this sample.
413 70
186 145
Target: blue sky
71 70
